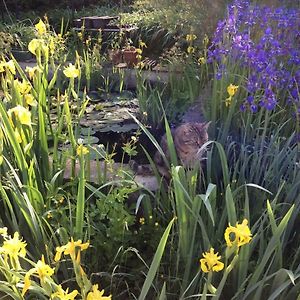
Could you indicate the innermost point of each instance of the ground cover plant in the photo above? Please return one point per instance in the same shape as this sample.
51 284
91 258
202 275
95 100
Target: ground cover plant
225 229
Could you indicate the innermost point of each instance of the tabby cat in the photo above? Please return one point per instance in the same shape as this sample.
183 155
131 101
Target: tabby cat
188 138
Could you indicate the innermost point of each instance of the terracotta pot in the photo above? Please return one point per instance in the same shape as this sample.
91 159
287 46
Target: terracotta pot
115 56
130 57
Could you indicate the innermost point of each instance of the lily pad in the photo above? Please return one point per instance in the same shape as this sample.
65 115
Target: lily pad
87 131
90 140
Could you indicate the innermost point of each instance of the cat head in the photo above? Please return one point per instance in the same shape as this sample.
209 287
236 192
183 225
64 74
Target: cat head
202 129
192 134
189 139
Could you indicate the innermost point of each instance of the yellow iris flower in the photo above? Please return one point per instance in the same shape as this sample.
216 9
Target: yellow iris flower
190 49
34 45
18 136
138 51
82 150
24 87
142 44
95 294
21 113
3 231
42 270
190 37
14 248
201 60
29 99
63 295
238 235
37 44
70 249
32 70
231 89
71 71
41 27
10 65
211 262
2 67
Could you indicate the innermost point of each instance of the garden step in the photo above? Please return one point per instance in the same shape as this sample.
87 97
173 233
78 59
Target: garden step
101 169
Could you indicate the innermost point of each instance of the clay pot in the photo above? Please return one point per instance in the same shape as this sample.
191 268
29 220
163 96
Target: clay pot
115 56
130 56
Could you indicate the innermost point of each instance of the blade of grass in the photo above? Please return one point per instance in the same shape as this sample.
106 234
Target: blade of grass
155 262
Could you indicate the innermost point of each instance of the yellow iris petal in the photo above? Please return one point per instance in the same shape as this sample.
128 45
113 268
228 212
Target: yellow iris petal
59 251
190 37
70 249
231 89
3 231
95 294
211 261
18 136
11 66
27 283
41 27
64 295
82 150
43 270
33 45
238 235
71 71
29 99
201 60
190 49
218 266
37 44
25 116
32 70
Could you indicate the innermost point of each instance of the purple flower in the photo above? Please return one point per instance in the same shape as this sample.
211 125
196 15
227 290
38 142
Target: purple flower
265 42
253 108
250 99
268 31
243 107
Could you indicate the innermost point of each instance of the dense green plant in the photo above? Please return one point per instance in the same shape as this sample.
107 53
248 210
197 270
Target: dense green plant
6 41
17 275
232 181
176 16
22 33
240 206
260 101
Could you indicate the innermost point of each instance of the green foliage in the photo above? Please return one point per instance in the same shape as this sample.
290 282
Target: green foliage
251 173
20 33
177 17
6 41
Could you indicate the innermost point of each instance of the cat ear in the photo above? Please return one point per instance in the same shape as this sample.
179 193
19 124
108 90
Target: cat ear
206 125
